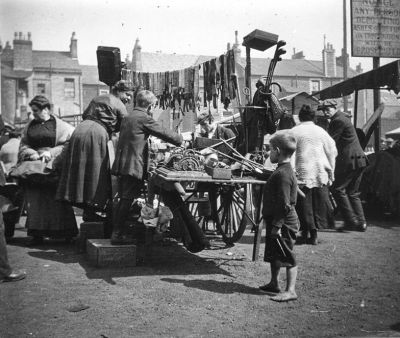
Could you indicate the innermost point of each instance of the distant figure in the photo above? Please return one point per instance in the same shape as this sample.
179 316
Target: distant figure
210 129
86 179
9 151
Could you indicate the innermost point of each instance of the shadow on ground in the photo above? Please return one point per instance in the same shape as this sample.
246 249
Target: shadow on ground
215 286
166 258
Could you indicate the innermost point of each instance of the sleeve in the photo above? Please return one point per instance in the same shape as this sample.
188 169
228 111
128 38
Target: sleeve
335 129
64 135
25 151
156 129
121 112
331 154
282 205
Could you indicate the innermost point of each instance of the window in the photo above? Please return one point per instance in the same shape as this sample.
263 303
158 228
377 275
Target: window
69 87
41 89
315 86
103 91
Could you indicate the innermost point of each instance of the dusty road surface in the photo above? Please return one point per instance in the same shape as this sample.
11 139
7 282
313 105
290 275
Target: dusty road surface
348 285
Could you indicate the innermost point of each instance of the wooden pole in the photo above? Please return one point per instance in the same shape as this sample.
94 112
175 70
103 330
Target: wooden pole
355 113
344 54
377 101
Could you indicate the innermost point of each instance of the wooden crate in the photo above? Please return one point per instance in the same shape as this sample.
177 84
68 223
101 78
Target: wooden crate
101 253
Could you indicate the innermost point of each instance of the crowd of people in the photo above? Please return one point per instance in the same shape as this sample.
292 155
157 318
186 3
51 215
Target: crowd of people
60 167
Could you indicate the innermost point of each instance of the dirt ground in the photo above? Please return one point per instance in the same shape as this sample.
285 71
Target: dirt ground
348 285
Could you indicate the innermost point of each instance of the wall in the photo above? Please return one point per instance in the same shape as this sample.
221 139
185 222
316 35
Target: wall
62 105
8 99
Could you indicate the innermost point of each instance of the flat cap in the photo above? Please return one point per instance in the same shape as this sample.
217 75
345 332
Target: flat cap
327 103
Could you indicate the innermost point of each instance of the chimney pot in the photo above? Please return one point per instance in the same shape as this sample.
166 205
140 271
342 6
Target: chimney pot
15 35
20 35
29 36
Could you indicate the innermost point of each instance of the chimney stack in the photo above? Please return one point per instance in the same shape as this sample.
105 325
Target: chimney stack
236 47
137 57
22 53
329 61
73 47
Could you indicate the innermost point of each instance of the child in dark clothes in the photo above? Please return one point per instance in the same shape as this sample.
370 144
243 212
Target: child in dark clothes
280 218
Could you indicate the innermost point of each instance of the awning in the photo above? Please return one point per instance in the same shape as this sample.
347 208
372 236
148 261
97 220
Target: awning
294 95
387 76
395 133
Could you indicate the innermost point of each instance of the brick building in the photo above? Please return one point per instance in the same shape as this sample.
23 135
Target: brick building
26 72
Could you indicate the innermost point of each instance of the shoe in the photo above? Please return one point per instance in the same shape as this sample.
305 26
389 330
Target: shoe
14 276
312 241
313 238
363 227
36 241
270 288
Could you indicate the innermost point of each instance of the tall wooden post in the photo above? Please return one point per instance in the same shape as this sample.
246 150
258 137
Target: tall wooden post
377 101
344 54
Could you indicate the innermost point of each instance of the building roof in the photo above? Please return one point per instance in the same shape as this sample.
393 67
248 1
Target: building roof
160 62
43 60
7 71
55 60
90 75
292 67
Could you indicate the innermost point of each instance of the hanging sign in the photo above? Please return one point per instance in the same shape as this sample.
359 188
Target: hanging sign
375 28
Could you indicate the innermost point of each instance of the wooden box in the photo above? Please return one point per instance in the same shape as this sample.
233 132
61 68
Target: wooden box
260 40
92 229
101 253
219 173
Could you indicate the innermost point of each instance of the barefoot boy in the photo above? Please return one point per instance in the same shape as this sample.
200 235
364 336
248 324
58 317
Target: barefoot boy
279 214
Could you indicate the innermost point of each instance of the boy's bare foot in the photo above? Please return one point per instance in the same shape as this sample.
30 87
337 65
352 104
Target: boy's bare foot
285 296
270 288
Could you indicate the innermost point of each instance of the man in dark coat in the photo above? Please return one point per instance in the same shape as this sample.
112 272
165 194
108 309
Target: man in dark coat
350 164
131 157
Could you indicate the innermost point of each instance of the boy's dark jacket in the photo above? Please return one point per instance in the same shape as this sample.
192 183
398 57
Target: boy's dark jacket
279 198
131 153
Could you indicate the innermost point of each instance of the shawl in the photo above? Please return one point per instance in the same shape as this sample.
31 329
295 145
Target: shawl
315 155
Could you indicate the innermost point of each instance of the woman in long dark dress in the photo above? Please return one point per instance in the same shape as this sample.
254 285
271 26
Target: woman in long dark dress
42 141
86 179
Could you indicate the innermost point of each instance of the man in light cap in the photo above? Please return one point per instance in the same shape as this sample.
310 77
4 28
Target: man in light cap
350 164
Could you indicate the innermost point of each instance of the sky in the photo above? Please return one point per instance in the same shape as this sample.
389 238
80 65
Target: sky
177 26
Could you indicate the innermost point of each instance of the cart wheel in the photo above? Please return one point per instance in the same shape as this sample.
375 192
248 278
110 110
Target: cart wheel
231 210
199 207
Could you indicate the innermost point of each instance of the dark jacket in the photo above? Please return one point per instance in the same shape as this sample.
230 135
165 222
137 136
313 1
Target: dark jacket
108 110
350 154
280 197
131 153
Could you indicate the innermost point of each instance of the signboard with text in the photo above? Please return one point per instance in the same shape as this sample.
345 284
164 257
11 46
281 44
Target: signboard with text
375 28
